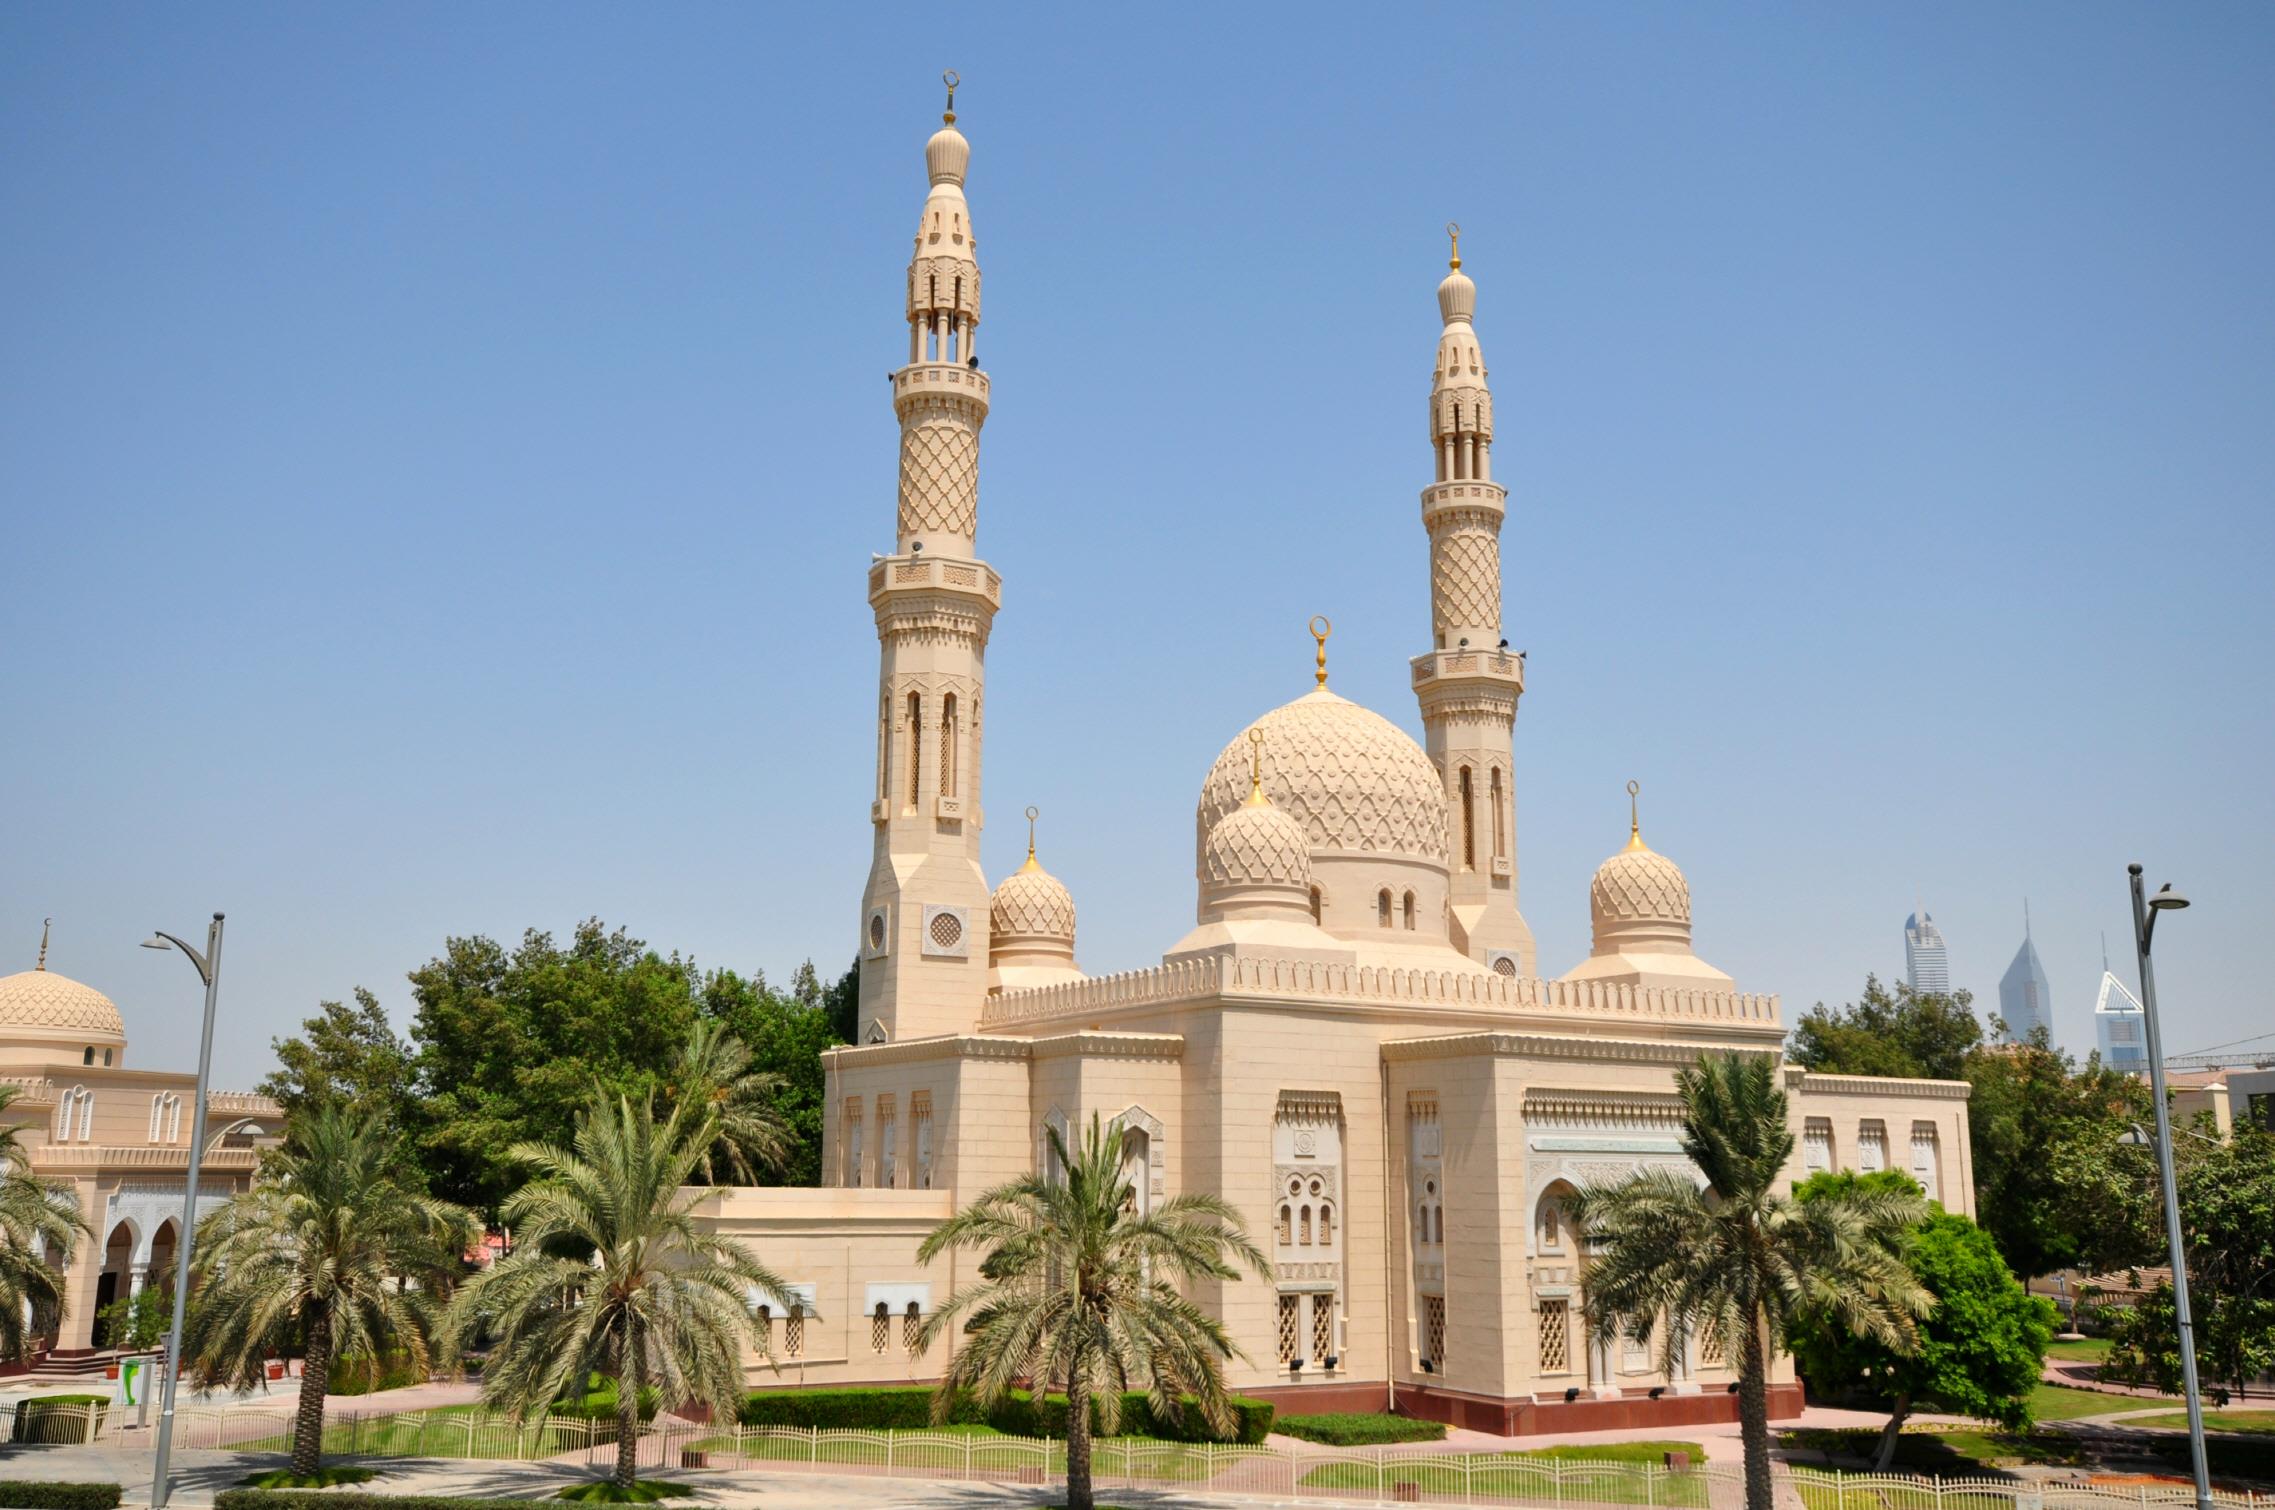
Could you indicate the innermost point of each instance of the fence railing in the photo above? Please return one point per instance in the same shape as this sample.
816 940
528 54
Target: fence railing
1417 1474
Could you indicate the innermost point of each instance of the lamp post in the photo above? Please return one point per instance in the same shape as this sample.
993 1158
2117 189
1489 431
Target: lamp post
208 967
2145 910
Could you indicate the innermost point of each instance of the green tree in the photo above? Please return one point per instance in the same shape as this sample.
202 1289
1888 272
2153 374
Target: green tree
612 1275
1080 1292
714 1076
328 1244
1891 1032
2227 1216
1739 1261
1981 1350
2055 1183
33 1212
352 1055
785 1037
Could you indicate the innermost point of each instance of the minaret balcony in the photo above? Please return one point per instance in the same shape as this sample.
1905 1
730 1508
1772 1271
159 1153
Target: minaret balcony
939 379
1466 493
923 573
1496 670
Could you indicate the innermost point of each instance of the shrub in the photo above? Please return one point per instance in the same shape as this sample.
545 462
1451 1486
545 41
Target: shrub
908 1407
352 1499
60 1418
36 1494
1360 1429
1020 1414
355 1375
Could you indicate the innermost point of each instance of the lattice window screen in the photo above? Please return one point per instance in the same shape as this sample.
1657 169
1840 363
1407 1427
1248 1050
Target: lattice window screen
1322 1328
794 1333
1288 1328
909 1325
1434 1329
1709 1348
1556 1336
880 1329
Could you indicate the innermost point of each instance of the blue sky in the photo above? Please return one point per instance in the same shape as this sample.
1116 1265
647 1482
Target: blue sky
440 451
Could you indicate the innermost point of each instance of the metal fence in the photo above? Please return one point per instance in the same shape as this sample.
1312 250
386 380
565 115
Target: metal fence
1421 1474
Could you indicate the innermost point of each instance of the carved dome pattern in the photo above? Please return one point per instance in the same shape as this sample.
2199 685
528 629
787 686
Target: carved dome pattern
1349 777
56 1004
1639 898
1032 903
1256 846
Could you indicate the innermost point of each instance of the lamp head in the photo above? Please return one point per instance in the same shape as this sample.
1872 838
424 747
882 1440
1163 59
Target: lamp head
157 941
2168 900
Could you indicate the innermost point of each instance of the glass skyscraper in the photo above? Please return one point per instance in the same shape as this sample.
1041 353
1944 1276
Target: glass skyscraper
1926 964
2026 997
2119 1027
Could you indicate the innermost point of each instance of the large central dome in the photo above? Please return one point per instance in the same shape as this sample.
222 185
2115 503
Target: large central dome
1352 779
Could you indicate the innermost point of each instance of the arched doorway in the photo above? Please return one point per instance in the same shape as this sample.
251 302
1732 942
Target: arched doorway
118 1262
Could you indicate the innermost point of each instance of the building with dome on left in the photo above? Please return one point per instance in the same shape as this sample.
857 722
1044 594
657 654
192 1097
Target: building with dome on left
118 1136
1355 1044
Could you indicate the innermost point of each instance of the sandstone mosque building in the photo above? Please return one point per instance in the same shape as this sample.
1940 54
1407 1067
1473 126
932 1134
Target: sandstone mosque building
1355 1044
119 1138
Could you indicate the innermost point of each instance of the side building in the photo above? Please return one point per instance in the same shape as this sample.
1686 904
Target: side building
1354 1044
119 1137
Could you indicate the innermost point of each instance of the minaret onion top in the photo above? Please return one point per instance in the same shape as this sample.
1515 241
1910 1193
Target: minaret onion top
1457 296
948 154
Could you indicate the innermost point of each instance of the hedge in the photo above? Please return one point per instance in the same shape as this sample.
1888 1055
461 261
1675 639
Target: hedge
908 1407
353 1499
1360 1429
42 1494
64 1419
352 1375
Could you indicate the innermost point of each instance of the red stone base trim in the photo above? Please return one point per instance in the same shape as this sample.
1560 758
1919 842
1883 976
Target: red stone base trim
1324 1398
1634 1410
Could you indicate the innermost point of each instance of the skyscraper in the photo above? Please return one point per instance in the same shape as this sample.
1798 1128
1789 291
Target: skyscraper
1926 965
2026 997
2119 1026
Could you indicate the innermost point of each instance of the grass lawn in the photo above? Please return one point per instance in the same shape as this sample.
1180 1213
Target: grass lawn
2091 1350
983 1447
1530 1473
2256 1422
1954 1452
447 1431
2053 1402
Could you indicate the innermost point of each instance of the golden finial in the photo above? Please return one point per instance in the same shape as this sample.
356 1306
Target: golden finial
43 927
1320 630
1256 797
1634 818
1032 815
1453 229
949 78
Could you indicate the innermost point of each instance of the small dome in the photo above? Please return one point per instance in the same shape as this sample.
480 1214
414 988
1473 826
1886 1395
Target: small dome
1457 297
1639 900
40 1004
1032 906
946 156
1352 781
1256 845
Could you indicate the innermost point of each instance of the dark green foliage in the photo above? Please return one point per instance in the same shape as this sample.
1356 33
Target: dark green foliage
785 1035
1979 1352
43 1494
599 1403
1360 1430
2227 1210
909 1408
351 1499
59 1418
357 1376
1890 1031
136 1321
323 1478
351 1055
609 1492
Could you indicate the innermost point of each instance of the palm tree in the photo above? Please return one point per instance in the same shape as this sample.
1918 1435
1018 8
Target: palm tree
1079 1290
33 1213
610 1275
712 1073
1739 1259
328 1244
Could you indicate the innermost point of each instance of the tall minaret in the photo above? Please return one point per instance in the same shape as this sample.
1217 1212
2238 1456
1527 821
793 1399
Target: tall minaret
924 920
1469 683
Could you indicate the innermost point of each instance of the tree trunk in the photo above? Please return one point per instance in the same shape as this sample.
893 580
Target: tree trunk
628 1420
1901 1408
315 1379
1753 1413
1078 1492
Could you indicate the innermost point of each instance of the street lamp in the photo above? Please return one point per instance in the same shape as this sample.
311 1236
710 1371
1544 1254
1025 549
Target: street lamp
208 967
2145 910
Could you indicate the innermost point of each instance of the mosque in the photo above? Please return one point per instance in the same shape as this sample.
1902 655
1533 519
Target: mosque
119 1137
1354 1044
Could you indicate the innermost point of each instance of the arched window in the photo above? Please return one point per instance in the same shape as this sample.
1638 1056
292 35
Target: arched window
1468 821
1326 1223
1500 839
880 1328
915 748
1382 908
1410 912
89 1056
766 1326
948 745
912 1321
1422 1222
1314 904
1287 1225
86 1115
1303 1225
794 1330
884 742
